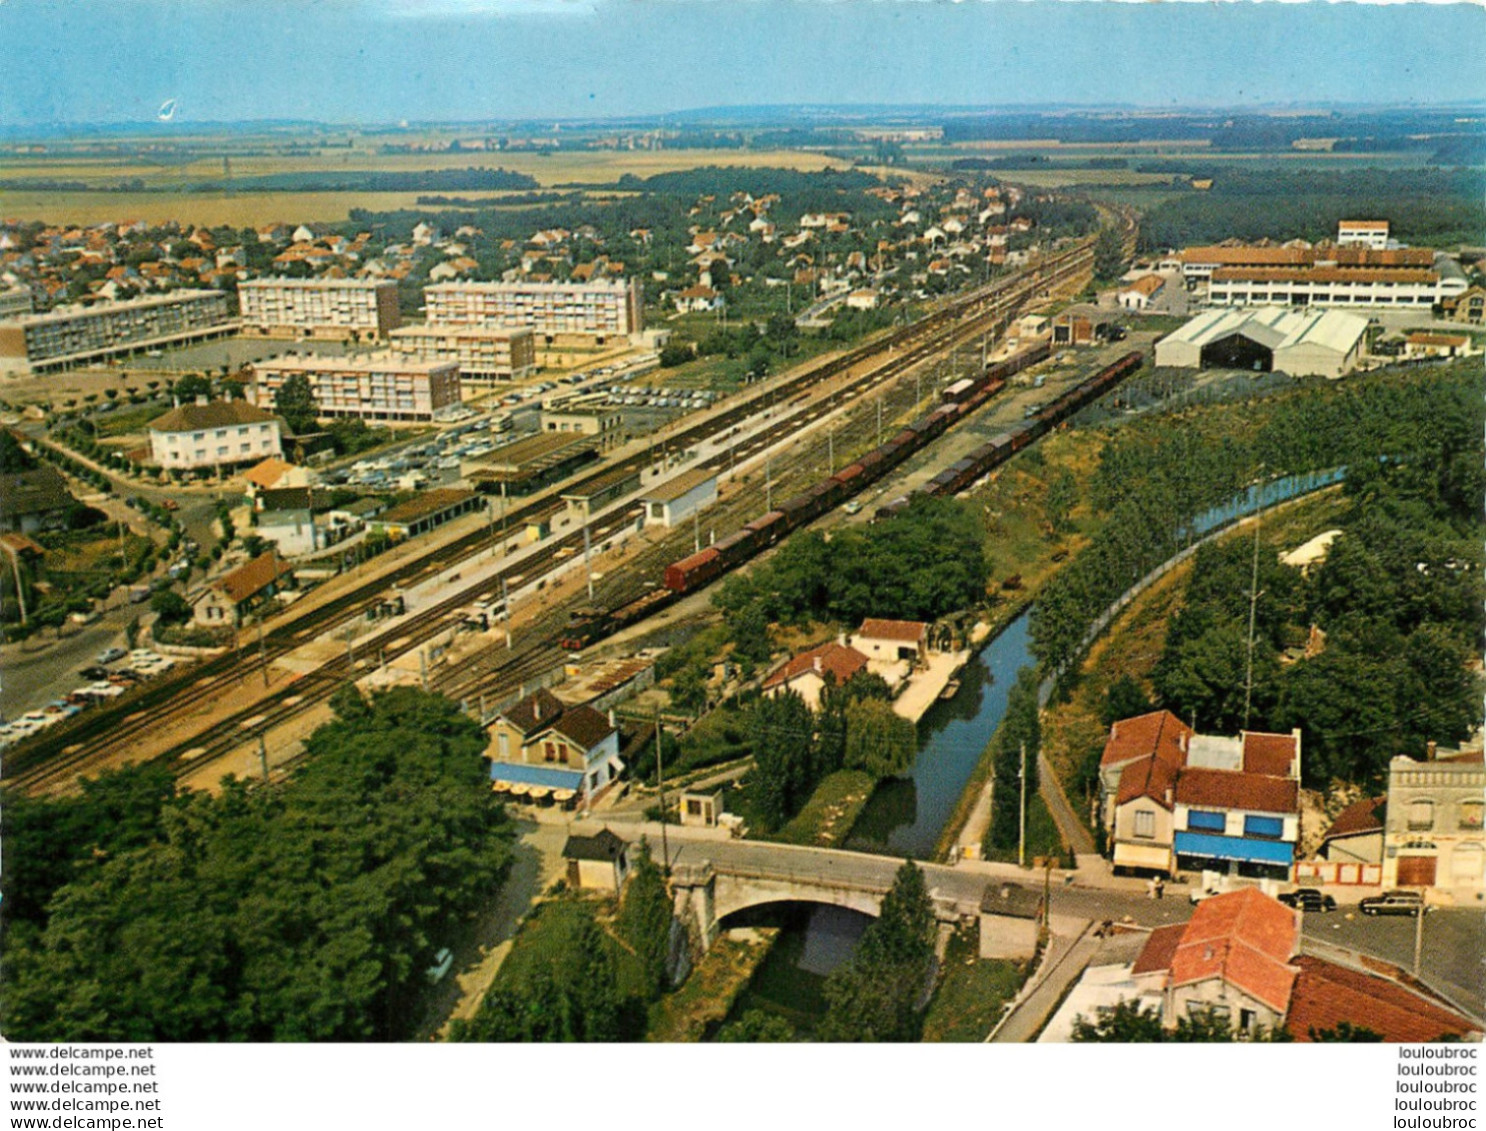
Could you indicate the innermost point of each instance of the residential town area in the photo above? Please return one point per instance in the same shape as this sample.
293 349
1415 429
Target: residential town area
882 598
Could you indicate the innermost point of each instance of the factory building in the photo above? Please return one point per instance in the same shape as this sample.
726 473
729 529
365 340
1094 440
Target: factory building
1300 343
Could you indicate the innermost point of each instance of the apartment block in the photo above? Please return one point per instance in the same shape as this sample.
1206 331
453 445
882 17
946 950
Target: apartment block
597 311
14 301
329 309
67 336
482 353
383 388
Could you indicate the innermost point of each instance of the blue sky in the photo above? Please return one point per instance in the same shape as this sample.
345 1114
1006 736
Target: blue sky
386 60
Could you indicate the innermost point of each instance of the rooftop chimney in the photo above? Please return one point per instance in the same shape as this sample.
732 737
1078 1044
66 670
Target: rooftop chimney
815 662
1431 750
1169 795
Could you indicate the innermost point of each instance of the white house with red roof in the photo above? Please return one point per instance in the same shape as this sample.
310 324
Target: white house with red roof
1172 798
891 640
808 673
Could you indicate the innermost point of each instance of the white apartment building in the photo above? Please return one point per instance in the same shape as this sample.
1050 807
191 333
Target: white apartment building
383 387
36 343
339 309
1413 278
600 310
483 353
15 300
213 434
1362 233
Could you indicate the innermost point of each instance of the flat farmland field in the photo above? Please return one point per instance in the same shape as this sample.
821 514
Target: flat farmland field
249 207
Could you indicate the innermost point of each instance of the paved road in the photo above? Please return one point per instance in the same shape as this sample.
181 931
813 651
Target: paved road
1454 955
36 671
1064 965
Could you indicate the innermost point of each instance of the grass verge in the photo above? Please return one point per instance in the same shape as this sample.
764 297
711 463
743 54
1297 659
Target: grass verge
972 991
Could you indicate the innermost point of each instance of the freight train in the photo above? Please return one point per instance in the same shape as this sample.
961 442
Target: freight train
963 397
961 474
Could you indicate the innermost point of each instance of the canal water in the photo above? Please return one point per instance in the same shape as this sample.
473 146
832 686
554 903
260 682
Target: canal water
903 817
906 815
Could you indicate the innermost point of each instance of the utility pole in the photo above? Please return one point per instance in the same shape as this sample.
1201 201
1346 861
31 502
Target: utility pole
768 483
1418 939
660 778
262 656
1021 830
696 533
263 756
831 450
505 611
587 554
879 420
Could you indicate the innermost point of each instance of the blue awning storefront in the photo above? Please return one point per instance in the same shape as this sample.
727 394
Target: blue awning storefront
522 774
1235 848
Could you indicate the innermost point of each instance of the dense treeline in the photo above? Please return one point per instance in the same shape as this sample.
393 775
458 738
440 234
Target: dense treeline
926 562
579 973
305 911
1155 479
854 728
1429 207
713 180
1399 599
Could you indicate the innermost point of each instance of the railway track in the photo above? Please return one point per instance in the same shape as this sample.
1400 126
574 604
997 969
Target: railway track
70 750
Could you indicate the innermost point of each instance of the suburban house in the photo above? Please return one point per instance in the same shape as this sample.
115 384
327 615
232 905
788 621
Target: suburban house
1239 959
1433 838
807 673
222 603
540 742
285 517
34 500
598 863
1173 799
891 640
274 474
213 434
1422 344
1139 294
1230 960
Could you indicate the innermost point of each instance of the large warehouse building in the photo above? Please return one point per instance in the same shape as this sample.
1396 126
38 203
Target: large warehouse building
1300 343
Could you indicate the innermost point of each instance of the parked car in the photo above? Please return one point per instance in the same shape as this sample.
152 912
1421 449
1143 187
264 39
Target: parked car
109 655
1393 903
1308 899
94 673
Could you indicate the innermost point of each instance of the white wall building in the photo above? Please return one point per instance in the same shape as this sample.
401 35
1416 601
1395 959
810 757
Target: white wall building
1300 343
34 343
381 387
339 309
483 353
599 310
1362 233
212 434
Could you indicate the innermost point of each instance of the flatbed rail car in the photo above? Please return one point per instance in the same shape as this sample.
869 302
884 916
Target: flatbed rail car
588 625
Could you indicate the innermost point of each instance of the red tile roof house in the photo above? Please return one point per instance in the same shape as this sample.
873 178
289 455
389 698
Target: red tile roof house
1173 799
223 601
1232 959
808 672
541 742
1238 958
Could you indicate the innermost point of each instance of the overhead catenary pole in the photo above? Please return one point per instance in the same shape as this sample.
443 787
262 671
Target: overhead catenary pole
587 558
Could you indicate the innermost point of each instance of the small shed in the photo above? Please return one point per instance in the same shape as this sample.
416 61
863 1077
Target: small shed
701 809
598 863
677 499
1009 919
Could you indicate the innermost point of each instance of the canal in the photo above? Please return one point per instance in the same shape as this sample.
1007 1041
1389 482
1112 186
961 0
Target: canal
905 816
